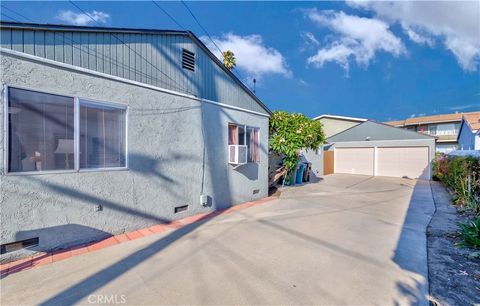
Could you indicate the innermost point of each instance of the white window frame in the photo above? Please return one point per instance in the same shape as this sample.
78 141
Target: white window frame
76 132
245 127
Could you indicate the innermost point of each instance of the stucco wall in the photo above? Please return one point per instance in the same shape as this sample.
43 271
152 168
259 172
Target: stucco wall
165 151
316 158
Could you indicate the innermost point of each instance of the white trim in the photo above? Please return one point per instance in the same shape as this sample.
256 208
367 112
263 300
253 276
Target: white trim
119 79
340 117
76 138
374 141
6 141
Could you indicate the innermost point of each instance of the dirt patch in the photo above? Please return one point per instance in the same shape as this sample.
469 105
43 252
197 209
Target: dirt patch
274 192
454 278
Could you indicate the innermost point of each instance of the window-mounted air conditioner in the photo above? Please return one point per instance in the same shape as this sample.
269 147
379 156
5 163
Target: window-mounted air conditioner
237 154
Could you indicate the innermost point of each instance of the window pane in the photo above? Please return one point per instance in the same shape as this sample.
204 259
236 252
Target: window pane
241 135
249 144
102 136
253 144
40 131
232 134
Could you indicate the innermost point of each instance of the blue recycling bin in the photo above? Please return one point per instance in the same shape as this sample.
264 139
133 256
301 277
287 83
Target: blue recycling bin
299 179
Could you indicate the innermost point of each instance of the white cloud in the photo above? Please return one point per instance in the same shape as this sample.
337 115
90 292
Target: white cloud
338 53
465 106
415 36
71 17
252 55
359 38
455 23
417 115
310 38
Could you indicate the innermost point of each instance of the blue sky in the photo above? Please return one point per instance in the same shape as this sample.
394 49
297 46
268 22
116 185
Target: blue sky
376 60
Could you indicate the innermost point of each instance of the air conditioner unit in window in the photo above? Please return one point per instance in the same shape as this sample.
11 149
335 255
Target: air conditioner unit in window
237 154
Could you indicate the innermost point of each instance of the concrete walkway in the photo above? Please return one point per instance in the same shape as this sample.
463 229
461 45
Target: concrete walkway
345 240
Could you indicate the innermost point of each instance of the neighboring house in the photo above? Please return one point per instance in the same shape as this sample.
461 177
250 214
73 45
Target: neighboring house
335 124
377 149
469 135
444 127
109 130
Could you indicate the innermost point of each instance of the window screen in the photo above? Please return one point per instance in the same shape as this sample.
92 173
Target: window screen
252 144
102 136
40 131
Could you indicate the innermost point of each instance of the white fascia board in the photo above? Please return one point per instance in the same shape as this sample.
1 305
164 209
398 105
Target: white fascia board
340 117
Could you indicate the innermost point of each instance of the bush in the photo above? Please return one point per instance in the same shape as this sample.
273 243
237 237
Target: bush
461 174
292 132
470 234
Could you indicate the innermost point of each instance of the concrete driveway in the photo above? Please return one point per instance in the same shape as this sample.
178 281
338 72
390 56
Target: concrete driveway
344 240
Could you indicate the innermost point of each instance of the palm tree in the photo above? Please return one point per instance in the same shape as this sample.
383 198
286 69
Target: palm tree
229 60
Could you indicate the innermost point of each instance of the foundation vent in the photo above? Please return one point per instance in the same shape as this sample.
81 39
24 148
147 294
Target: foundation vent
180 208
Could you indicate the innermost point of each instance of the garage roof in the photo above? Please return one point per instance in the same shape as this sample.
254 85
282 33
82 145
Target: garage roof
371 130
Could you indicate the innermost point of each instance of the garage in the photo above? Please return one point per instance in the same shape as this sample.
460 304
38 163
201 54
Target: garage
376 149
354 160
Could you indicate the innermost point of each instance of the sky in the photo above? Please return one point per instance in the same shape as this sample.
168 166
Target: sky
376 60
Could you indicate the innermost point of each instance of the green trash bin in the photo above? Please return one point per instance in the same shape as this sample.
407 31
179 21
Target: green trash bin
291 176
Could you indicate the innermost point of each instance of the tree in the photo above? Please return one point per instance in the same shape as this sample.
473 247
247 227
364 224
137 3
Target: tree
229 59
292 132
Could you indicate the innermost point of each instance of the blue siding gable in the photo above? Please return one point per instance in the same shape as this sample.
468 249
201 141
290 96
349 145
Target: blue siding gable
148 56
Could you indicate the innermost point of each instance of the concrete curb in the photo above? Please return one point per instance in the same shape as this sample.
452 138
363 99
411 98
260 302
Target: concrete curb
41 259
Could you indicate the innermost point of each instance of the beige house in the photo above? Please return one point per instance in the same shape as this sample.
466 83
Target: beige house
444 127
335 124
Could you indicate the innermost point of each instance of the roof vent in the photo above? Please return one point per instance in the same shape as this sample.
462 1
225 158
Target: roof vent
188 60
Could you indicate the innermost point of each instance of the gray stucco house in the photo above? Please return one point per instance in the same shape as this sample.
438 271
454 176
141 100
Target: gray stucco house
108 130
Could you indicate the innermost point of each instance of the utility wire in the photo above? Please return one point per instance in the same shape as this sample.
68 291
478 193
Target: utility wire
94 20
204 30
169 16
18 14
10 17
208 34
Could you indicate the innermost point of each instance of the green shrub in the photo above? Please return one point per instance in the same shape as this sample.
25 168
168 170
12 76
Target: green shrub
292 132
470 234
461 174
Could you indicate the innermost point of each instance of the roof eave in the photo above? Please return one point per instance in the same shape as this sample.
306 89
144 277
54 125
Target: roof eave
233 76
340 117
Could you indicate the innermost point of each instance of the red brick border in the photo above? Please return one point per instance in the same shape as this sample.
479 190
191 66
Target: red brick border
40 259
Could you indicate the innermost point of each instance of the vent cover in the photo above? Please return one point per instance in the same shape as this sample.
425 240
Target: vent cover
180 208
188 60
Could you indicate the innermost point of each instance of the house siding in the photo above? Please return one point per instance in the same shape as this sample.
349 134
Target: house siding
332 126
167 134
466 138
151 58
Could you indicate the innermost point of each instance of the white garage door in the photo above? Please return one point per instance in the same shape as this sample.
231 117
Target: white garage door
403 161
354 160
